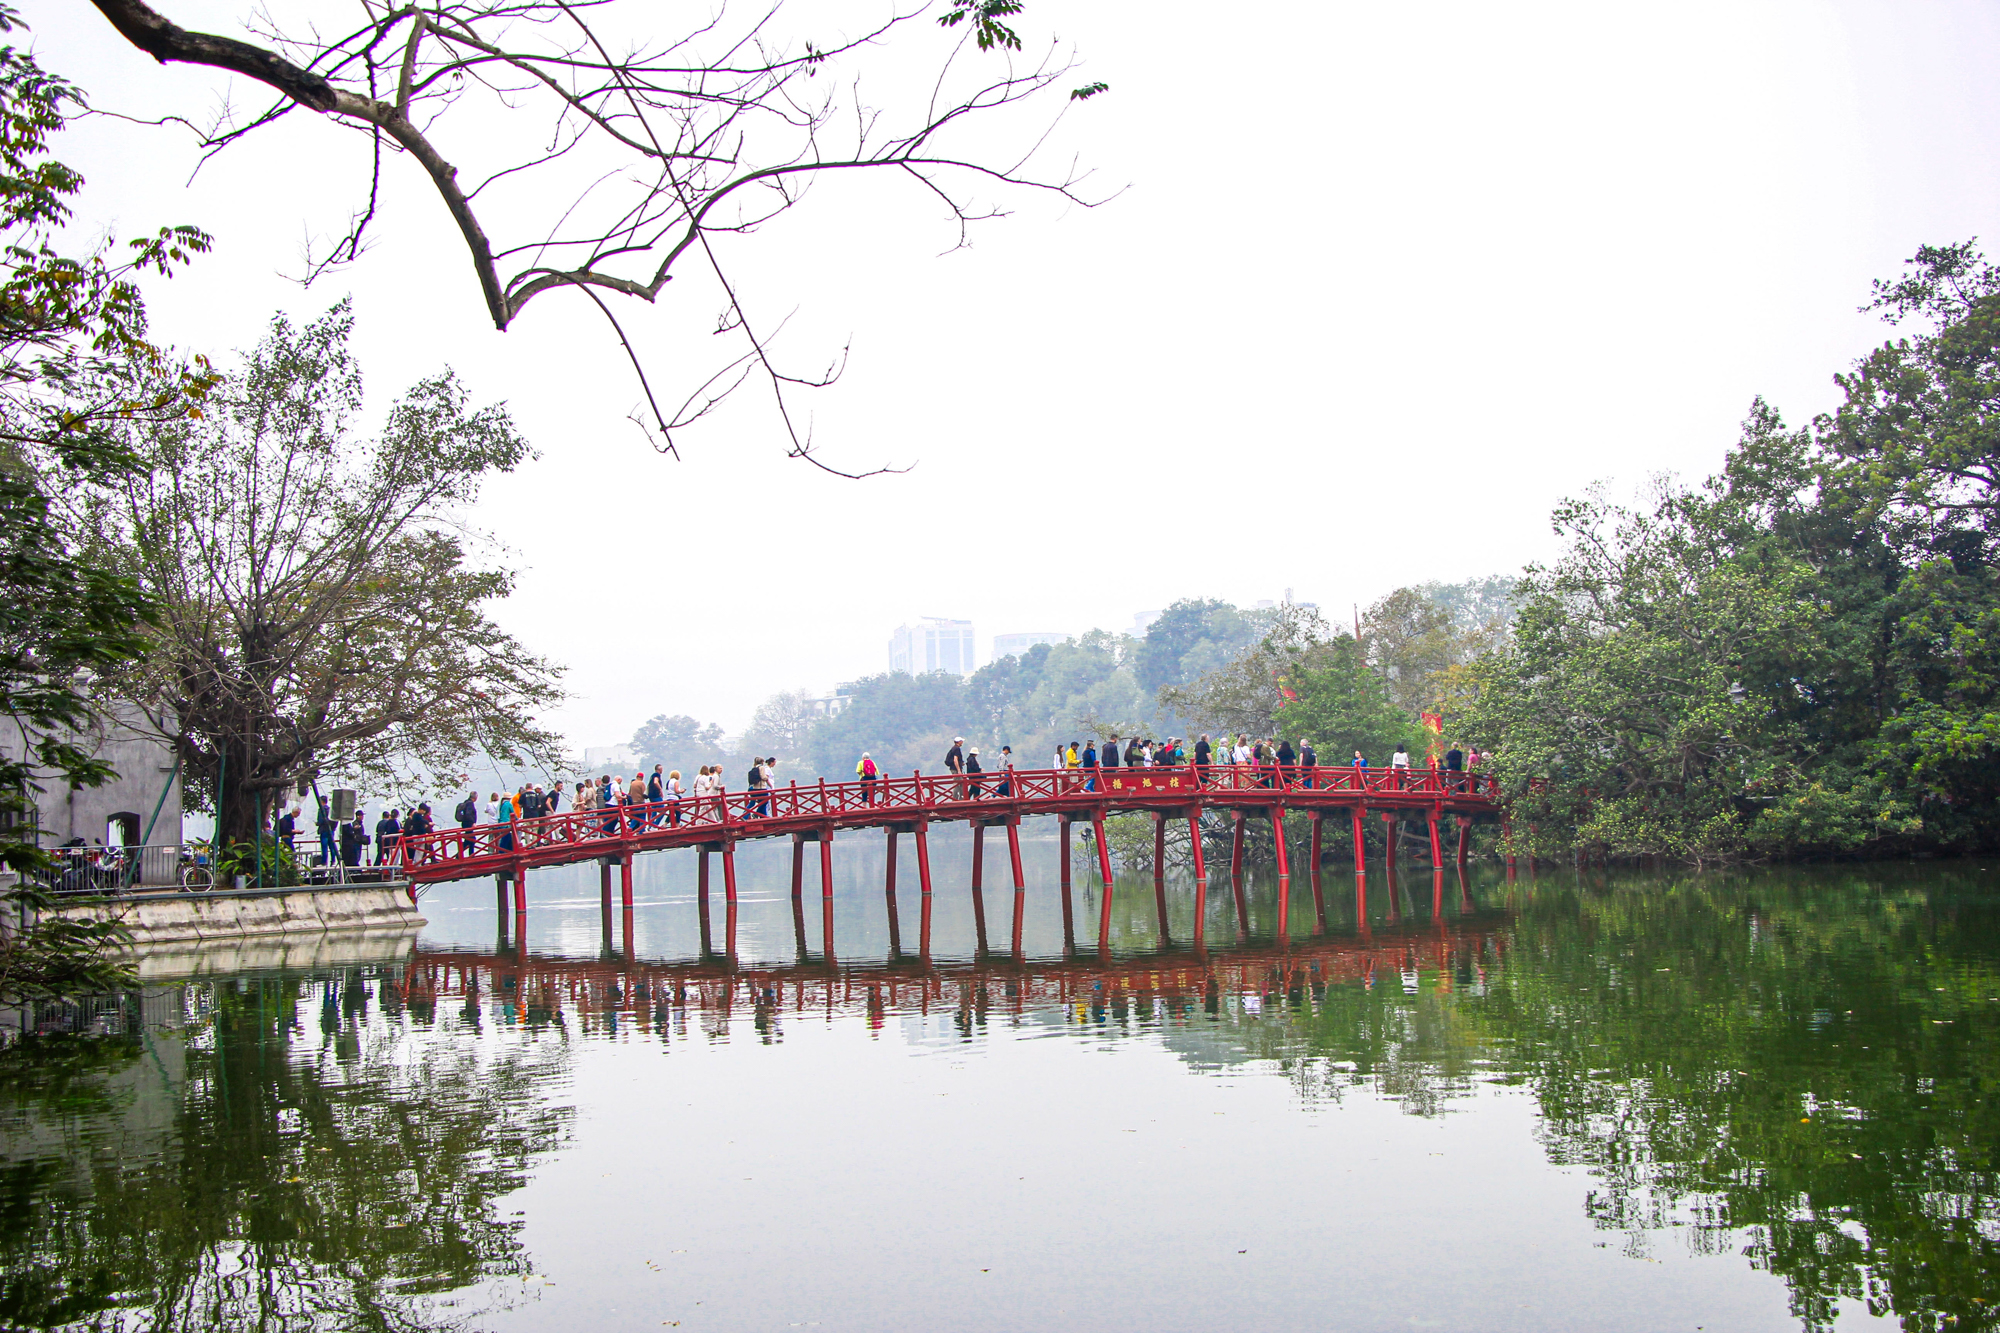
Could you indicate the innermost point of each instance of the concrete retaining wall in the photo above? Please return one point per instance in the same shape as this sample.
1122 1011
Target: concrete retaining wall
187 960
239 913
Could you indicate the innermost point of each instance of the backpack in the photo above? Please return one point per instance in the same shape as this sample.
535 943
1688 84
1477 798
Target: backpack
756 777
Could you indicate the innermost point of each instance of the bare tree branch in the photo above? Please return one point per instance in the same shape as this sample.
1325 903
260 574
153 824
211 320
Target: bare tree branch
617 155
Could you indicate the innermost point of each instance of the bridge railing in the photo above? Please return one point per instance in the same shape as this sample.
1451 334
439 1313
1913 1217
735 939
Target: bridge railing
602 831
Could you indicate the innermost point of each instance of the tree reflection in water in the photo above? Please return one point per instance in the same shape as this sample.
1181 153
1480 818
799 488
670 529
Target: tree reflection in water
274 1155
1802 1065
1799 1065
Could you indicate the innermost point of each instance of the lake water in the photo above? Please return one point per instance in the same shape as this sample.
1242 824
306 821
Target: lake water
1637 1101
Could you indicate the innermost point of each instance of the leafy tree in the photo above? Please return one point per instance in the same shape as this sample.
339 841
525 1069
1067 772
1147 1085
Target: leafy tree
1422 638
781 726
905 722
678 742
1341 707
317 608
1303 679
1193 637
67 324
1624 684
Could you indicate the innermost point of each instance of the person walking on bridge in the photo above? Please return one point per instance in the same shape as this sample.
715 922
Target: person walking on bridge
867 772
1006 787
1202 751
1110 756
1287 757
467 815
954 764
972 772
754 780
1308 761
1089 766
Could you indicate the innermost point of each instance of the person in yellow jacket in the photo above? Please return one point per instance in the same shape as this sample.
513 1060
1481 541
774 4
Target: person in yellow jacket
867 772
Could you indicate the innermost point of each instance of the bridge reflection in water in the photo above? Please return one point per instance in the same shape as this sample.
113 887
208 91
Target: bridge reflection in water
618 990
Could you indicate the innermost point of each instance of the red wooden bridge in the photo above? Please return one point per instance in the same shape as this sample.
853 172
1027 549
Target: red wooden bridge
614 835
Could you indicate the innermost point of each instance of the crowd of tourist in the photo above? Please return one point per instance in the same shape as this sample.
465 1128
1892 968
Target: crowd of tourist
653 800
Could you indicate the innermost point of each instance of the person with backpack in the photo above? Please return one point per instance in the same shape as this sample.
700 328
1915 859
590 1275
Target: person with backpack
353 838
467 814
754 780
867 772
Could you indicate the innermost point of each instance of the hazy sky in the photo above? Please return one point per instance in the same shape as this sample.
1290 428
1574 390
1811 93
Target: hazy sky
1387 282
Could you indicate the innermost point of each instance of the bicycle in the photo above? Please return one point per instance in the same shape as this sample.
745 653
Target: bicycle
196 873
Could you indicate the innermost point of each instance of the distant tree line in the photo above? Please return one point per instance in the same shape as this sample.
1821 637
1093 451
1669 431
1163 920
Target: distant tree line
1202 665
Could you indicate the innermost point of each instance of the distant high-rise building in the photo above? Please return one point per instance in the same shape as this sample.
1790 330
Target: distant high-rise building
933 644
1013 645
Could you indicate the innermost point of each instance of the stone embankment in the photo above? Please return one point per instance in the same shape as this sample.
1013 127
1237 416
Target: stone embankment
156 919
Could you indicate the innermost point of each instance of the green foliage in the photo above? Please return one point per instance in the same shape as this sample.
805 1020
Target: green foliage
1342 706
989 28
319 608
72 328
265 861
904 722
1803 655
1193 637
678 742
366 1165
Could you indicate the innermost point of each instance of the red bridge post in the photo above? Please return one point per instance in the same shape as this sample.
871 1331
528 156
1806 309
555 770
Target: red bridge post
625 881
604 902
1069 922
1200 879
1104 870
978 884
924 883
1236 878
1319 897
889 894
701 898
1464 837
1284 878
1360 868
826 889
1437 847
1020 880
1160 872
729 897
799 867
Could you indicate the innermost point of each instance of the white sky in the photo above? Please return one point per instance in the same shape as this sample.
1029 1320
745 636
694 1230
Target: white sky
1387 283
